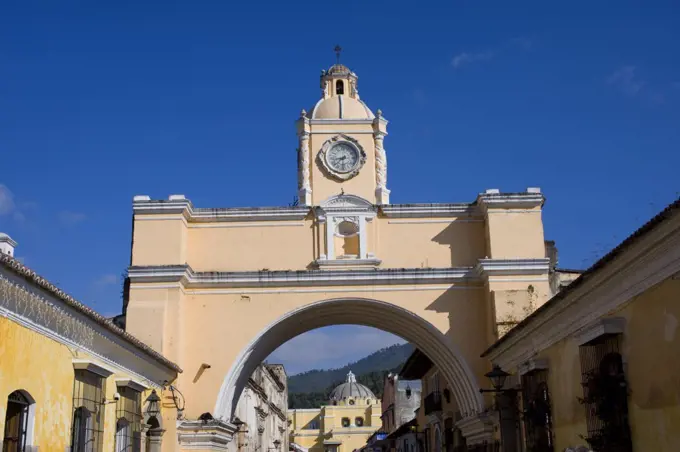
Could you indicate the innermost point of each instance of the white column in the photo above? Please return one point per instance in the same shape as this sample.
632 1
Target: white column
305 192
330 238
363 251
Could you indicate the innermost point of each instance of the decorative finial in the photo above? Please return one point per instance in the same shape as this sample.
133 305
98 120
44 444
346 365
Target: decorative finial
337 51
303 113
351 378
342 192
379 112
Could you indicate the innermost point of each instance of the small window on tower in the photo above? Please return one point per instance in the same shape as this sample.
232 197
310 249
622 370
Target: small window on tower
339 87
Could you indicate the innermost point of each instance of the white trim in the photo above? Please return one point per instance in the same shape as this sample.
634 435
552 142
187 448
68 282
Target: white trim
333 132
91 366
544 279
601 327
303 278
516 200
197 435
321 121
427 210
453 220
348 262
244 214
533 364
641 266
319 290
495 267
132 384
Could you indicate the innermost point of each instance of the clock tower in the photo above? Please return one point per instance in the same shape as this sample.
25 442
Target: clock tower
341 144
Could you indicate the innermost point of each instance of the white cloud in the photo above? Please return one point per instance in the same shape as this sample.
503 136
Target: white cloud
466 58
106 280
6 200
330 347
68 218
625 80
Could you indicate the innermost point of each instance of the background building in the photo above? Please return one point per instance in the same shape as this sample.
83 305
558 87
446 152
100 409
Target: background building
261 414
345 424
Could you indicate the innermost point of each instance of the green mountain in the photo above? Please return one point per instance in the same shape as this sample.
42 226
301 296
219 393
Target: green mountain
311 389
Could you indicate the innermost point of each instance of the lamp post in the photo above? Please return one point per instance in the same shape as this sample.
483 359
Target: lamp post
506 399
422 444
155 433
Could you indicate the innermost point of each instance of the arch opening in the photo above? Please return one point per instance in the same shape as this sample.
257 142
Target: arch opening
358 311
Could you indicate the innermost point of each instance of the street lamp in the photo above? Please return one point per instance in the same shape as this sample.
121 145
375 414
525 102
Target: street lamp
498 376
153 408
155 433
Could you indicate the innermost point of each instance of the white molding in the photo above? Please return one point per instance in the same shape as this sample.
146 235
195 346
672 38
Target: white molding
601 327
186 208
91 366
497 267
333 132
198 435
533 364
338 262
641 266
511 200
132 384
304 278
425 221
477 429
427 210
318 122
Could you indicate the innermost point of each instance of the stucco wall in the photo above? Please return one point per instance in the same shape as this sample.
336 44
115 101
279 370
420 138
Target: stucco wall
649 350
43 368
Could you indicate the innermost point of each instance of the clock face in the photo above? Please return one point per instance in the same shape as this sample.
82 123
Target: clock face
342 157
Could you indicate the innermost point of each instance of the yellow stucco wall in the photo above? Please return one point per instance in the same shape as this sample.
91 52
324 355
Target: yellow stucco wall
650 352
457 312
43 368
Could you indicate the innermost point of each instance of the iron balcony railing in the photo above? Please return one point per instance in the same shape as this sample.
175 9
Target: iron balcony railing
433 402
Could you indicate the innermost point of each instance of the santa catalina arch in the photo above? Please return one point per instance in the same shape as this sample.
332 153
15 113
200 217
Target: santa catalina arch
217 289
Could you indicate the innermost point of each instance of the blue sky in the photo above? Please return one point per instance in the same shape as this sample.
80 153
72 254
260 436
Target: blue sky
100 101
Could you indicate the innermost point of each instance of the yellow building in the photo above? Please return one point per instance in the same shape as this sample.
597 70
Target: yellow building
70 380
598 364
344 425
447 277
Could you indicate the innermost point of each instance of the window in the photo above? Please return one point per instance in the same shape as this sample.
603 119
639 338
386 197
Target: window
88 415
605 394
312 425
537 413
351 401
345 422
359 421
129 420
339 87
17 422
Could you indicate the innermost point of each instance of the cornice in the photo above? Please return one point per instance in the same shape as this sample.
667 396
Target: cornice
185 275
91 366
325 122
428 210
533 364
526 200
143 206
601 327
498 267
199 435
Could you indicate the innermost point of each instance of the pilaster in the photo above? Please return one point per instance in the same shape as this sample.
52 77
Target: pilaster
304 159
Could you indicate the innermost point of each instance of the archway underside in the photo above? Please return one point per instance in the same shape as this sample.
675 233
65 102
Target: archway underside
366 312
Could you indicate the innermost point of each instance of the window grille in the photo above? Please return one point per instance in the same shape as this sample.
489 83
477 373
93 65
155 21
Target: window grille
537 411
129 420
345 422
16 423
88 414
605 395
359 421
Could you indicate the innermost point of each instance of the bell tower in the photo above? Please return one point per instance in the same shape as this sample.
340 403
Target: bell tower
341 143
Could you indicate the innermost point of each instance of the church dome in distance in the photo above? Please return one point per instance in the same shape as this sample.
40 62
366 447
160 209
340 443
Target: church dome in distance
351 392
338 69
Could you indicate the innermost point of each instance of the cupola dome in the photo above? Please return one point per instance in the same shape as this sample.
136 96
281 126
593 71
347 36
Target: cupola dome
350 392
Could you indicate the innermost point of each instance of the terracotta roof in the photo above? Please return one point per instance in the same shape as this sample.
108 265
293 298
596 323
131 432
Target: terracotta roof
593 271
32 277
